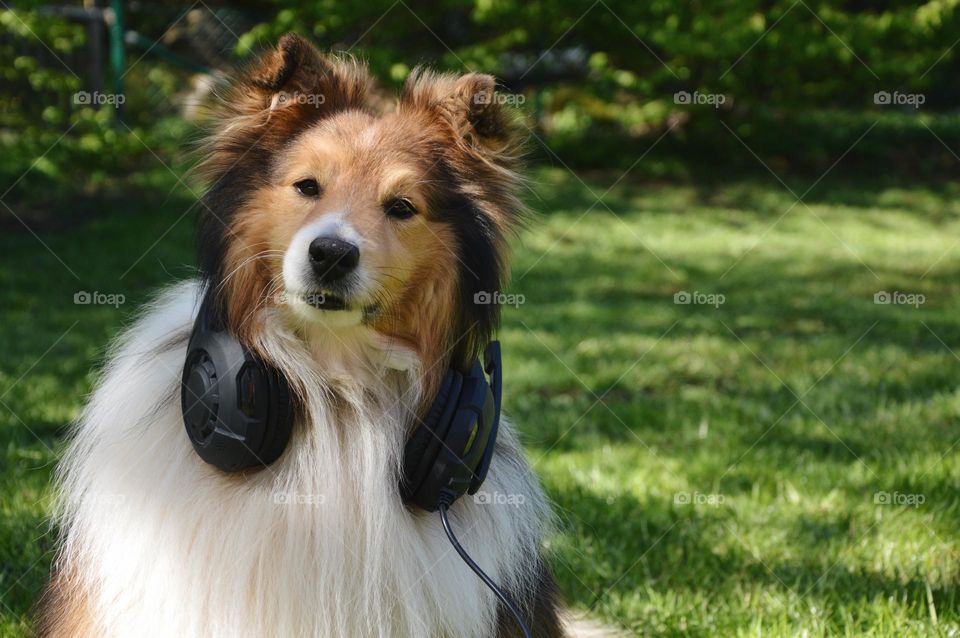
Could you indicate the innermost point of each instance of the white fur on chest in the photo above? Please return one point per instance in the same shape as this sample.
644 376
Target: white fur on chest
317 544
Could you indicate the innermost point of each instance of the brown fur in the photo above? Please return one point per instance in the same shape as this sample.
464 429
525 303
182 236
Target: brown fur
62 611
271 143
543 619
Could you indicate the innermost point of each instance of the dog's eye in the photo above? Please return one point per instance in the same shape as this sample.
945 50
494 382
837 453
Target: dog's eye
307 187
400 208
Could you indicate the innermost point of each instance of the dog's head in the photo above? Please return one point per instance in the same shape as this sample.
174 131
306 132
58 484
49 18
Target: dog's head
346 215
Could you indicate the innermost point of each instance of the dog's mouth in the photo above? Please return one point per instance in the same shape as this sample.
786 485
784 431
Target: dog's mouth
331 301
324 300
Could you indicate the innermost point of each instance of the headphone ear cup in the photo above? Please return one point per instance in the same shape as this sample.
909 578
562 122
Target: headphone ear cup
279 420
424 444
236 408
414 450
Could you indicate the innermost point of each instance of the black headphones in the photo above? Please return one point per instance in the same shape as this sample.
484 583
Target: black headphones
238 413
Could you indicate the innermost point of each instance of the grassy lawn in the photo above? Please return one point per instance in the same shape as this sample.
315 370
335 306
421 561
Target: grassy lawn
780 463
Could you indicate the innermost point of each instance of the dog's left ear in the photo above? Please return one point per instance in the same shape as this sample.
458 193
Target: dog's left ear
470 106
277 96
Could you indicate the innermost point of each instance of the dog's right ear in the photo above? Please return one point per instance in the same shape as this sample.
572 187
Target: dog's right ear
295 73
281 93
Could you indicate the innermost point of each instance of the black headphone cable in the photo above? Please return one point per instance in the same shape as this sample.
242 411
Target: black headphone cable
476 568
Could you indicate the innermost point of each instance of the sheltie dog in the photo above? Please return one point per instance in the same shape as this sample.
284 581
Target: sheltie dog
415 203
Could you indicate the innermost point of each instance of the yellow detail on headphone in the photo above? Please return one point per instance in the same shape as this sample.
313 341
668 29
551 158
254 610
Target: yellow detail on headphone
470 439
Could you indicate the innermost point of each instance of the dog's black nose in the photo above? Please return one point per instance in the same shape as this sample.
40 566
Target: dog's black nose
333 259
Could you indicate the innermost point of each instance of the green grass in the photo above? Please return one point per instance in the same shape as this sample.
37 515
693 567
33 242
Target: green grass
783 412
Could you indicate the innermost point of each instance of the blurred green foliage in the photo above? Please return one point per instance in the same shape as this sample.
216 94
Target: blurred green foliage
798 78
599 78
49 136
